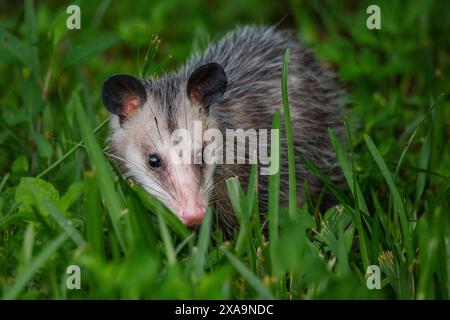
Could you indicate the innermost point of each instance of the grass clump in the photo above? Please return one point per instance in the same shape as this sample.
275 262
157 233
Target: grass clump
63 203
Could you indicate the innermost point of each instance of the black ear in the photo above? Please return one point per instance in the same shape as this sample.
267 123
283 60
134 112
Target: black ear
207 84
122 94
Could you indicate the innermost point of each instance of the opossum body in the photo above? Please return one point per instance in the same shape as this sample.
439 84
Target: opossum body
234 84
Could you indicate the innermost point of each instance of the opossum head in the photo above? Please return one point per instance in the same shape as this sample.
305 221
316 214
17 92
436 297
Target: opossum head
155 135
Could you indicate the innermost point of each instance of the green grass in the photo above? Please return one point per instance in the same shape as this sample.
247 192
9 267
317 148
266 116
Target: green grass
62 202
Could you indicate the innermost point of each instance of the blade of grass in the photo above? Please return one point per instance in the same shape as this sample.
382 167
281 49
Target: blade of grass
99 13
141 226
253 205
70 152
252 188
113 202
290 141
91 47
237 198
348 170
199 256
22 279
4 180
167 240
252 280
65 224
183 243
338 193
151 203
401 212
413 135
150 55
274 196
424 158
31 32
350 177
94 213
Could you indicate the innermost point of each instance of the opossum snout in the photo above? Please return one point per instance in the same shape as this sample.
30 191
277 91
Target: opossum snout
193 214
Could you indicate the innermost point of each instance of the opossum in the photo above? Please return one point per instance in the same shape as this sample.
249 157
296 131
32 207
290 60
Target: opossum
235 83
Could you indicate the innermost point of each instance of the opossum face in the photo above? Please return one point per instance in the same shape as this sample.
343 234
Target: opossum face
157 136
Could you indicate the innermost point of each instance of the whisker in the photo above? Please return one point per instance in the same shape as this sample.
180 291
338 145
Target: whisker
139 168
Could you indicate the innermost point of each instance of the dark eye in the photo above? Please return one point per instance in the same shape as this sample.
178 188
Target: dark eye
153 161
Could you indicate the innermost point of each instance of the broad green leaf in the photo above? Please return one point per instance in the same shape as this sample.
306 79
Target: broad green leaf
34 192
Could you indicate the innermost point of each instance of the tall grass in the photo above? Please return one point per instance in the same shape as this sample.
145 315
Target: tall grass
62 202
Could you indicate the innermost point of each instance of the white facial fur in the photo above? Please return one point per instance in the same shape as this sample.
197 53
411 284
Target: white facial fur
183 188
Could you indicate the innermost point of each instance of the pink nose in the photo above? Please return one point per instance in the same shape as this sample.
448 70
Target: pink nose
193 216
